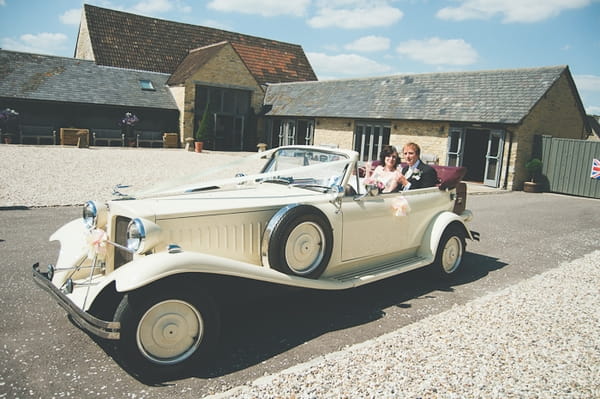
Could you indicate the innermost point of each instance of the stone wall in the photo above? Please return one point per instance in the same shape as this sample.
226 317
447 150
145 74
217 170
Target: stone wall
178 93
432 137
84 49
225 69
557 114
334 131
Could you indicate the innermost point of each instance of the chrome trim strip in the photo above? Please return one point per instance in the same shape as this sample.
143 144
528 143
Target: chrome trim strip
100 328
264 248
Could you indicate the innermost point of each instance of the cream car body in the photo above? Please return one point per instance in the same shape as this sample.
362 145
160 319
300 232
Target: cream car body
303 220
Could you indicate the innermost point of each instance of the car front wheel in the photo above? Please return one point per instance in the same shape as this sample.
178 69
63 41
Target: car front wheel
450 251
164 333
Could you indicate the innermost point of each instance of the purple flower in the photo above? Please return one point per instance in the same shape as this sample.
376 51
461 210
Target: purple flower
7 114
129 120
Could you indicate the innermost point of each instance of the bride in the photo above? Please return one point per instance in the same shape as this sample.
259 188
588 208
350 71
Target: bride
386 174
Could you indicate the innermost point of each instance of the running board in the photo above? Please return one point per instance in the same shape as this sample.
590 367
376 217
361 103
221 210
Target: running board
381 271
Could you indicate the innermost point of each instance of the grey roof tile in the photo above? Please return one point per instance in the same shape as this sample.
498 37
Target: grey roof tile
502 96
43 77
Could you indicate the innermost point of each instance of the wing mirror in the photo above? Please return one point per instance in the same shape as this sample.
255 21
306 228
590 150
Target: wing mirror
371 190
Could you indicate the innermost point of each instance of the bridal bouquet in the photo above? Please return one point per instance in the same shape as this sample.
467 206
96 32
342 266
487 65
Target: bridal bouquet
371 183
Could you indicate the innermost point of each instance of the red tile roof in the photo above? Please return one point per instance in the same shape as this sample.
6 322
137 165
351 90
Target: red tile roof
136 42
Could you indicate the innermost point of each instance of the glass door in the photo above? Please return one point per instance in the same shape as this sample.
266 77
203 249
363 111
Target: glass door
287 132
493 158
369 139
456 140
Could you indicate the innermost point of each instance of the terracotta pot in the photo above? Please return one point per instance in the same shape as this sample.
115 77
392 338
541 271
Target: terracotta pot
198 145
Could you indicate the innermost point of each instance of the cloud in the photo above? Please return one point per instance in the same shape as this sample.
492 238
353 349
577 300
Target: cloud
71 17
587 82
589 89
369 44
511 10
158 7
266 8
436 51
359 15
42 43
216 24
152 6
345 65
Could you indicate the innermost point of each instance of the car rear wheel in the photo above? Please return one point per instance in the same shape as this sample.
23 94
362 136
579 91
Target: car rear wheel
299 241
450 251
163 333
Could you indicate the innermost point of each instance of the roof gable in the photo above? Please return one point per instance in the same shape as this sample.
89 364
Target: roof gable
594 122
193 61
51 78
136 42
502 96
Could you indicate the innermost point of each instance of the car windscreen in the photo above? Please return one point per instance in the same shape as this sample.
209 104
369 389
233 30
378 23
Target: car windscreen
306 167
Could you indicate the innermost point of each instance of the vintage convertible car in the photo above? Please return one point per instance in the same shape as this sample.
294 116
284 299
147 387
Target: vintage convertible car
146 270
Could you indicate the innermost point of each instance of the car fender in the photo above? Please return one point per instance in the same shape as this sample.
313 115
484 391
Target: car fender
436 228
148 269
73 246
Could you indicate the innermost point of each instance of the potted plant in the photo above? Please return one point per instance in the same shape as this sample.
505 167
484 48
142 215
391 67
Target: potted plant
6 116
534 167
127 124
202 130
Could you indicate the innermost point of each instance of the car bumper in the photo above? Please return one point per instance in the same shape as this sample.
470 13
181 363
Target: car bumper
100 328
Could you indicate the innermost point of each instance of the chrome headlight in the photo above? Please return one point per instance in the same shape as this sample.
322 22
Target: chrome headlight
94 214
142 235
135 234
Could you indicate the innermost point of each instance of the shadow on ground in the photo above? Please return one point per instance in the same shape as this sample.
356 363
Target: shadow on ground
257 329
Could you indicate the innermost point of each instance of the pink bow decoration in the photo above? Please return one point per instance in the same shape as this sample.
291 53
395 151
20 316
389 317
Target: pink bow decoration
400 206
97 244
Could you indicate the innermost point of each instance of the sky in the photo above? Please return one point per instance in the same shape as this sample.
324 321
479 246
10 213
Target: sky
361 38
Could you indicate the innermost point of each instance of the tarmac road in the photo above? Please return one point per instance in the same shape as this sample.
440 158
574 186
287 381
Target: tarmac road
42 354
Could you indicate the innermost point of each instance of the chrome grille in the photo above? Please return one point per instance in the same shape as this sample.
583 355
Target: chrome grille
121 256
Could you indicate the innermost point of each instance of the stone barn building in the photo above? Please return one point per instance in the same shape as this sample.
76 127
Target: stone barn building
258 90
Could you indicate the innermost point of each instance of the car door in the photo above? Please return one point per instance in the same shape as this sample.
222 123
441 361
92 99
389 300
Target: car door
371 226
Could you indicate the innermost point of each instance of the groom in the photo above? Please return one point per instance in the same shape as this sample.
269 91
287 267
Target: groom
417 174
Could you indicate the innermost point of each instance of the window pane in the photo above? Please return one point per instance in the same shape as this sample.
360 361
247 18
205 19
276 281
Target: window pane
228 101
146 84
452 160
215 100
494 145
454 141
492 166
243 102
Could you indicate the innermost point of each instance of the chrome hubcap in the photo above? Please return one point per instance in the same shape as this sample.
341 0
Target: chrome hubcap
452 254
305 248
170 332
